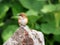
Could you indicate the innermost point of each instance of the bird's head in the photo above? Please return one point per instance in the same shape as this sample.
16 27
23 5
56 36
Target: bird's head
22 15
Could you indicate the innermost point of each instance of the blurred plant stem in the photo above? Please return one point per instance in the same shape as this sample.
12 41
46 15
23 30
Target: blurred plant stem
32 25
50 42
56 14
49 1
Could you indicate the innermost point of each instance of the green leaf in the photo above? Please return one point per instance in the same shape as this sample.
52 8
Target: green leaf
32 16
50 28
33 4
31 12
50 8
33 19
37 27
9 28
17 8
3 9
51 25
1 24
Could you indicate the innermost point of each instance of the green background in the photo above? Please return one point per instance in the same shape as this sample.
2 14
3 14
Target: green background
43 15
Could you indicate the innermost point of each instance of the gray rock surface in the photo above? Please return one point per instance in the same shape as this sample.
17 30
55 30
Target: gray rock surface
26 36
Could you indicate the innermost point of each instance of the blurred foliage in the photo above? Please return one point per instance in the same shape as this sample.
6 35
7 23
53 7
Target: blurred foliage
43 15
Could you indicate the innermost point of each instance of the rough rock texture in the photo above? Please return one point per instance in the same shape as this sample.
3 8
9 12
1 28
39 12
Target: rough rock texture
26 36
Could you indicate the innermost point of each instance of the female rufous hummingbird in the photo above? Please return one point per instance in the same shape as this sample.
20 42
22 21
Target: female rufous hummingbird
22 19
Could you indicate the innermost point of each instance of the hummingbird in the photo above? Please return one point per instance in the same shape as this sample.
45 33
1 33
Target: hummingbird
22 19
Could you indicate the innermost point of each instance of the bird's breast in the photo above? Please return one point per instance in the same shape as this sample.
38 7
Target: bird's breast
24 21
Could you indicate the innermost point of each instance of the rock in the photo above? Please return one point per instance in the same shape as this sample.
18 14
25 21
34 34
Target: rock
26 36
